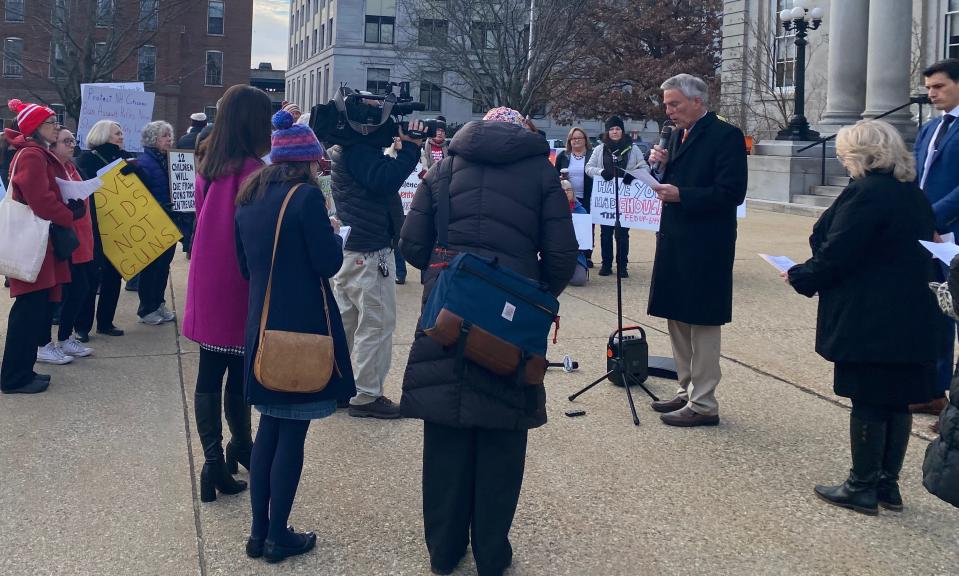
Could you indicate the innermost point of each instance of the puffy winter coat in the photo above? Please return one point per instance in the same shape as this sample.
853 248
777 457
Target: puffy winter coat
505 201
153 166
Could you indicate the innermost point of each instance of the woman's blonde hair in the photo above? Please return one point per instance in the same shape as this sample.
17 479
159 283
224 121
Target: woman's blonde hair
569 139
99 134
874 146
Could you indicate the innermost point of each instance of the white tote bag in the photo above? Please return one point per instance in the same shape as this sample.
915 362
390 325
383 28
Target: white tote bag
23 237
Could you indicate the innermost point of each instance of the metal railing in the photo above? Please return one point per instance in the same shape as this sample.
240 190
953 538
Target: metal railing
920 100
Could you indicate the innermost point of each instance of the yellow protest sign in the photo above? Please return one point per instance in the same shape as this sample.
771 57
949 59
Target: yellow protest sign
134 229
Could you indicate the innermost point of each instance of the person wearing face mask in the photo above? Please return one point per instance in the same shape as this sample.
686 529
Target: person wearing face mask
153 162
615 143
33 174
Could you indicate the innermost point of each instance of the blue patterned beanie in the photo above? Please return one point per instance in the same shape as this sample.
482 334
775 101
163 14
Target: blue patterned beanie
293 142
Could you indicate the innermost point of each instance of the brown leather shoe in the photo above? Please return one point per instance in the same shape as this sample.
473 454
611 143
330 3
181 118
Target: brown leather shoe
934 407
666 406
686 417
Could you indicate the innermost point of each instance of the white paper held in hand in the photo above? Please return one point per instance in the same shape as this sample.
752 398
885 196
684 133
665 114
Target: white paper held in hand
583 227
345 233
781 263
944 251
73 190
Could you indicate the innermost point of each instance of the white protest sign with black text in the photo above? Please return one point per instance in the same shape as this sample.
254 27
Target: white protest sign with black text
182 180
639 207
408 189
131 109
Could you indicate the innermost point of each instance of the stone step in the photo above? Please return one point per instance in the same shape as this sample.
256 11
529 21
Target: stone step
831 191
813 200
842 181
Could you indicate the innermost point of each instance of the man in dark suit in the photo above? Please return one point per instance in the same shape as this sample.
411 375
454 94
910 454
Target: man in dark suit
703 180
937 156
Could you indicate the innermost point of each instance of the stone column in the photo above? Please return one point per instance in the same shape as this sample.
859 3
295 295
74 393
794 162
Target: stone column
848 23
887 69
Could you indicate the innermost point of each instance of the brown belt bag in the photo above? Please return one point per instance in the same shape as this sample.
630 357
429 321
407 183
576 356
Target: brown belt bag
494 354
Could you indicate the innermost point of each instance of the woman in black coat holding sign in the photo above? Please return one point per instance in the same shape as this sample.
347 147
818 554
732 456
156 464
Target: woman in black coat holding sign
866 255
105 143
505 202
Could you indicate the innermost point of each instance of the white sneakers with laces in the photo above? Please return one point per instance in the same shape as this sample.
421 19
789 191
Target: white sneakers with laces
71 347
52 354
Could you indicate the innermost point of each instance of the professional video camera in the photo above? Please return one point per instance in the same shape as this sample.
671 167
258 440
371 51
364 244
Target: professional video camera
353 117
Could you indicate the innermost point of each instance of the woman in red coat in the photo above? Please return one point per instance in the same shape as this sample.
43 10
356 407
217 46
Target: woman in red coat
33 174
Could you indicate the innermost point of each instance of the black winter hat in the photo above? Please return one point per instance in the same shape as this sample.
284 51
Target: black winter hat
615 121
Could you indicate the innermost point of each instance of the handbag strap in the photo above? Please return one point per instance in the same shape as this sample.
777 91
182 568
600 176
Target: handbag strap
13 169
269 284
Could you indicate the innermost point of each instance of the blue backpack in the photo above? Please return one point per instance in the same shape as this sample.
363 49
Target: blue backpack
494 316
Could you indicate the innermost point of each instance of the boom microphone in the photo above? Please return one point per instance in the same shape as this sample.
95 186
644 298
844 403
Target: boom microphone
664 136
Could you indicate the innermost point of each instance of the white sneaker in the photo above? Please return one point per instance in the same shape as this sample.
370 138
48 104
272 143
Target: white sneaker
167 314
52 354
153 318
71 347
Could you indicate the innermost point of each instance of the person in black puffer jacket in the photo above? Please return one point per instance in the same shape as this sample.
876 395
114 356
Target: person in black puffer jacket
505 202
940 469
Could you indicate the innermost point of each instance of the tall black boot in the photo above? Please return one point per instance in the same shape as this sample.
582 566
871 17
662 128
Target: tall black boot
240 446
858 492
209 426
898 429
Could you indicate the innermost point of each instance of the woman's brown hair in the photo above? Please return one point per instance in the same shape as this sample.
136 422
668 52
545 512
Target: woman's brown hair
242 131
255 186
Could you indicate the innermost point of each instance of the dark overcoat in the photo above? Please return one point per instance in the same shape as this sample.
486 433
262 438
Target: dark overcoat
696 244
505 201
872 275
309 253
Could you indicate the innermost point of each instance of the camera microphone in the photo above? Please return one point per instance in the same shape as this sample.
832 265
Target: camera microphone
664 136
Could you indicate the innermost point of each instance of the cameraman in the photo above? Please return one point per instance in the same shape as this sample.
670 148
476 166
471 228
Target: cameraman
366 186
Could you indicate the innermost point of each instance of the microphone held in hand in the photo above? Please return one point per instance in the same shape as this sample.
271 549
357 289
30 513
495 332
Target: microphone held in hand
664 136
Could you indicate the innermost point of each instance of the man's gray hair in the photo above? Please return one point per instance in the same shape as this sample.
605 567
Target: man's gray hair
152 132
689 85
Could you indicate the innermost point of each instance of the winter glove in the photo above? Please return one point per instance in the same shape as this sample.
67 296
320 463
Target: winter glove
78 207
607 174
130 168
628 178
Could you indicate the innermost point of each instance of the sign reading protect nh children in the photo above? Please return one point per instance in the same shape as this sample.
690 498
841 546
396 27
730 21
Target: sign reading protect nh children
134 229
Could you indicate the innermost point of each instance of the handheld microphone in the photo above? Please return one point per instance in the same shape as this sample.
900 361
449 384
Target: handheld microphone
664 136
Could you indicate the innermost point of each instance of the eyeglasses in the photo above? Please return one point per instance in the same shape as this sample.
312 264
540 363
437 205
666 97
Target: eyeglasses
51 121
69 142
577 139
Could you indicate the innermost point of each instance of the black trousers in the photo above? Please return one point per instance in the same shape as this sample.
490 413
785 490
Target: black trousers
153 281
24 329
75 295
105 277
622 245
471 483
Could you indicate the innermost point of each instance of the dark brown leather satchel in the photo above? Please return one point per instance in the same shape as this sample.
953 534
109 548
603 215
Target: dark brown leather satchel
496 355
292 361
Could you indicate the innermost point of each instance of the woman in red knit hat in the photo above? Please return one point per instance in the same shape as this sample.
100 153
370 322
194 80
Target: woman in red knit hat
33 174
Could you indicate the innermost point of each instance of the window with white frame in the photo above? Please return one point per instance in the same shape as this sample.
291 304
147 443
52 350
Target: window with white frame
61 111
380 21
147 64
105 12
214 68
952 29
58 59
783 49
103 60
432 32
431 91
214 18
210 112
13 57
482 95
13 11
329 32
60 13
378 80
149 14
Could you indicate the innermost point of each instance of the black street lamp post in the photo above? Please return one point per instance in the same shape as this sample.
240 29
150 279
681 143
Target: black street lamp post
801 20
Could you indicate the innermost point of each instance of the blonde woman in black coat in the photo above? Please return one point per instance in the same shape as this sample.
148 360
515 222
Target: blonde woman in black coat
866 255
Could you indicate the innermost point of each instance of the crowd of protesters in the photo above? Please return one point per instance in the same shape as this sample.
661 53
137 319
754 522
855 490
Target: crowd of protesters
263 227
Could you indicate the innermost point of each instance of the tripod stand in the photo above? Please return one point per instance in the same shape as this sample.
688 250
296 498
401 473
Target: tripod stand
618 369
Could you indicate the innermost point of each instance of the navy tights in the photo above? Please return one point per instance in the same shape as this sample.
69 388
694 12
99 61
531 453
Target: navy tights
275 467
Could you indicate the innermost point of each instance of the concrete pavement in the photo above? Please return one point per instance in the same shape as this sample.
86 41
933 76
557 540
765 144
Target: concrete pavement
98 475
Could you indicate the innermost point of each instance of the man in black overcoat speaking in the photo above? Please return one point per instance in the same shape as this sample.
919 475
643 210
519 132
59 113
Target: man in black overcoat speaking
703 180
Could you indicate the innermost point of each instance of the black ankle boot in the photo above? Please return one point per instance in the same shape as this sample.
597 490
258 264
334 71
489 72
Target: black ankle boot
209 426
858 492
898 429
240 446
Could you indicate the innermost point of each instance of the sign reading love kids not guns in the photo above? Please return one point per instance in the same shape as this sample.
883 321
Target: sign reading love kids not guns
134 229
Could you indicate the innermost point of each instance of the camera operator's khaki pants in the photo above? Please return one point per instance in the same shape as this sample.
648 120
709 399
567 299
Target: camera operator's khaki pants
696 351
367 303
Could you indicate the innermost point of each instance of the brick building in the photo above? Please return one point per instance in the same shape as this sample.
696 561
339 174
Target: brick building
186 51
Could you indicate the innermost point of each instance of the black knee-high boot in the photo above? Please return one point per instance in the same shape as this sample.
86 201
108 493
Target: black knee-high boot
898 429
867 440
240 446
209 426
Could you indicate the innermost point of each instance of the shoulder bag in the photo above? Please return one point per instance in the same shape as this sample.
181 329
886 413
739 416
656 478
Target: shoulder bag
23 237
292 361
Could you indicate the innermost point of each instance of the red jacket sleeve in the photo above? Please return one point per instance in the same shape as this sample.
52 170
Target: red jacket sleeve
35 185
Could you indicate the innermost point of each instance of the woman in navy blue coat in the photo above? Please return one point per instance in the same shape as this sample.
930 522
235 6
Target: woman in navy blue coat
309 253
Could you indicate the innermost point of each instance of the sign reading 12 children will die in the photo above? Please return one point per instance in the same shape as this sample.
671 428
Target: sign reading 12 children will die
182 180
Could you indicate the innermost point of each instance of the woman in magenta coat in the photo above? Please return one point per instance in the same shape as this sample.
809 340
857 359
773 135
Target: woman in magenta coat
33 174
217 293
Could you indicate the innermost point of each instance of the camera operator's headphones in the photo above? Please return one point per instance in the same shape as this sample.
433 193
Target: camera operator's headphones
345 94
